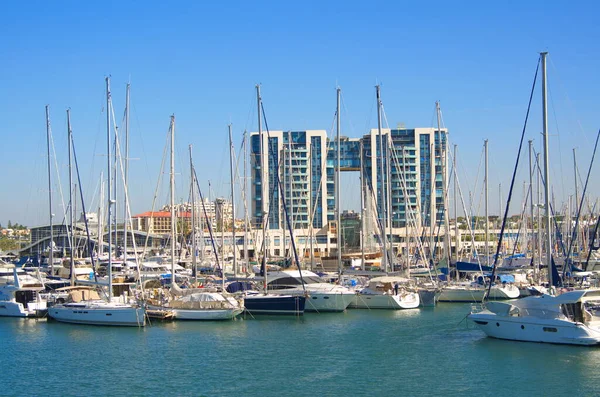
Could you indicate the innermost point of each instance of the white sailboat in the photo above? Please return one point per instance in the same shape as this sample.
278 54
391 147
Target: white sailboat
194 304
571 318
84 305
387 292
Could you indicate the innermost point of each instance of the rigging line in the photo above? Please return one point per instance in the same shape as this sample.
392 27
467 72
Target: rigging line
128 208
56 168
208 223
87 230
559 236
560 154
287 217
139 129
347 112
158 185
580 205
522 215
512 184
573 109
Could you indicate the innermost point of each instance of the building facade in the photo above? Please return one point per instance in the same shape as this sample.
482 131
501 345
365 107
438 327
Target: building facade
404 171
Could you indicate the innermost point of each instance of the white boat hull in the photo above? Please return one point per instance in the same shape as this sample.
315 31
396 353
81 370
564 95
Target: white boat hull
541 330
98 313
206 315
469 294
16 309
328 302
393 302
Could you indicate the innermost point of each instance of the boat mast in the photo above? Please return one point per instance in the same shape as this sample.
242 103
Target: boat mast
546 170
231 152
455 205
110 201
70 140
531 205
245 200
172 200
291 193
406 214
126 172
193 198
487 216
539 211
382 223
576 198
100 247
48 138
362 209
444 160
338 215
264 199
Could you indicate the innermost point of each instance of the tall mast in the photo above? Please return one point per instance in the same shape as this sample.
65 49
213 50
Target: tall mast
576 197
388 202
264 198
110 200
126 172
245 200
362 209
384 261
444 159
71 239
406 213
531 203
337 188
172 201
48 138
282 196
193 214
291 193
539 212
100 248
455 204
546 169
487 216
234 244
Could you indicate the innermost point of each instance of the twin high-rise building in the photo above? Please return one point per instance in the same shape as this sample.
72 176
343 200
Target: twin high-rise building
410 165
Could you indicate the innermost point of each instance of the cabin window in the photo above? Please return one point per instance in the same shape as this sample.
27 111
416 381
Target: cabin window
481 322
550 329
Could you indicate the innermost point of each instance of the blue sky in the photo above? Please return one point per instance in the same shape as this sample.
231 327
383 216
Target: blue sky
201 60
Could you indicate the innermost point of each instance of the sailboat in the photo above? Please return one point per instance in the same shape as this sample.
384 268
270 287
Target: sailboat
263 302
193 304
387 292
84 304
498 288
571 318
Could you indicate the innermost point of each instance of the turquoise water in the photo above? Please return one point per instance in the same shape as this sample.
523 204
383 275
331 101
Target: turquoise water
424 352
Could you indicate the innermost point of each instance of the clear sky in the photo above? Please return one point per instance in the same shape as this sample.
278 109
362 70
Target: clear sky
201 60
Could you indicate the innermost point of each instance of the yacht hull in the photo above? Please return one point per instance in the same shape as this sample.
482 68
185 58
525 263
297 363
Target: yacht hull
527 329
275 304
206 314
393 302
98 314
328 302
16 309
474 295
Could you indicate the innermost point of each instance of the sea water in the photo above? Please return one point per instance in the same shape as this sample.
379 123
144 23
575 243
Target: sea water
422 352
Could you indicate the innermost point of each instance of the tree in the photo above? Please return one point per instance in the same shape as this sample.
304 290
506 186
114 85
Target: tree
9 224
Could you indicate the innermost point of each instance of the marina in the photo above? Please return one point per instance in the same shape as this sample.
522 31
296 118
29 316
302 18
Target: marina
420 352
300 199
